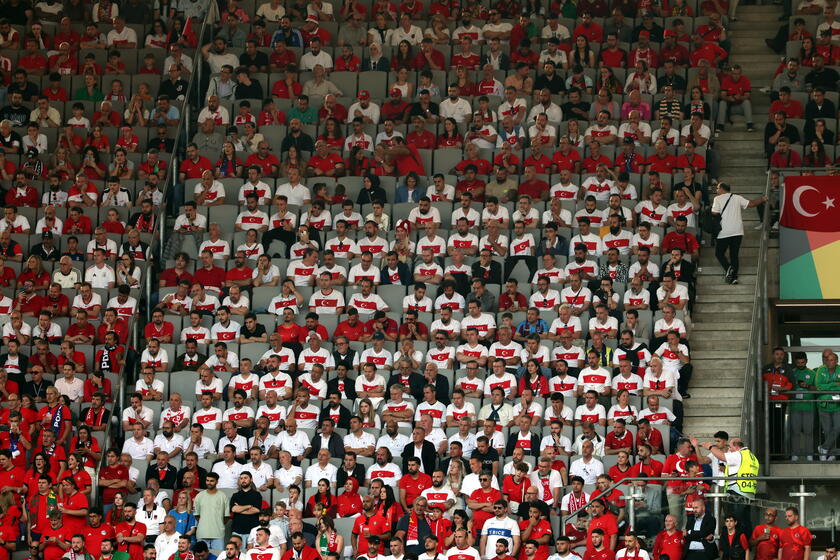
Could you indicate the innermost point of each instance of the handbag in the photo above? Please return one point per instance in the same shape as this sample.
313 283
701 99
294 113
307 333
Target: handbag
712 222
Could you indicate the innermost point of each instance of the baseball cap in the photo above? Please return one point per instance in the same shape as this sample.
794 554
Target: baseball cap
364 94
378 336
312 18
644 33
47 235
670 33
396 91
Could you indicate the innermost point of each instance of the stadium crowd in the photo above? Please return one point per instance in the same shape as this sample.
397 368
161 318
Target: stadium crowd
429 279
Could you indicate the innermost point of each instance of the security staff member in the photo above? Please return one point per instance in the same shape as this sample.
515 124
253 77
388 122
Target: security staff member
740 462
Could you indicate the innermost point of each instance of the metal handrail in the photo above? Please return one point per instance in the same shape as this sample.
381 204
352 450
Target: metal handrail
171 179
118 405
757 340
715 495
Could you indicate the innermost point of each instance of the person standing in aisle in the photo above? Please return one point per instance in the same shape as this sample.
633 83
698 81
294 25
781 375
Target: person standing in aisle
728 206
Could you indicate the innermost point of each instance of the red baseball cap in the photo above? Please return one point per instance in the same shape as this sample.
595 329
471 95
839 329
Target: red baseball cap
644 33
396 91
669 33
364 94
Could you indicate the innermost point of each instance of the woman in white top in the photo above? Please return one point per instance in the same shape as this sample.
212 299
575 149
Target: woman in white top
622 409
438 31
128 272
406 88
252 248
34 139
574 134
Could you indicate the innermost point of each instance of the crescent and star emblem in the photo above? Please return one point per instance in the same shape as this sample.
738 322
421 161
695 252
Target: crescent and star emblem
797 203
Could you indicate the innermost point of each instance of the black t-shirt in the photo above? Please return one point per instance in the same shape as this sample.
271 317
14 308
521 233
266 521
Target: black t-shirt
416 109
18 115
567 110
161 144
675 81
303 142
555 84
259 60
174 89
244 522
487 459
254 91
259 330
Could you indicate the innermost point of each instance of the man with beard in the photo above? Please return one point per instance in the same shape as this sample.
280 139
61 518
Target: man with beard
108 550
392 439
211 507
245 507
439 495
276 537
299 551
384 469
183 552
412 484
367 524
337 414
131 535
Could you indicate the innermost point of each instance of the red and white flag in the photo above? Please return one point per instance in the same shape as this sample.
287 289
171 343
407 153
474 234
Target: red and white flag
811 203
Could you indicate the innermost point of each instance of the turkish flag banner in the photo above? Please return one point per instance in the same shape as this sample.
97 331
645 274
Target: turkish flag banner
811 203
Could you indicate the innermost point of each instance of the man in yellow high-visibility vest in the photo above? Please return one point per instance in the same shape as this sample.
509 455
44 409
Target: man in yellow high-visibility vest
740 462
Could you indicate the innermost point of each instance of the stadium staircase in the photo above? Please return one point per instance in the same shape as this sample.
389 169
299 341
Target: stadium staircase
721 317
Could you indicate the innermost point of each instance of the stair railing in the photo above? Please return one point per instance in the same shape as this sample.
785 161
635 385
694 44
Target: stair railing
754 432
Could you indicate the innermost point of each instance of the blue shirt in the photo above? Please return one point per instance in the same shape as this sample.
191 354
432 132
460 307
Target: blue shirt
292 39
183 521
525 328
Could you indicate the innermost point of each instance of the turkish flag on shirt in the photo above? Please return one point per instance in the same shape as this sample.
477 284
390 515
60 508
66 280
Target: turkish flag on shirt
811 203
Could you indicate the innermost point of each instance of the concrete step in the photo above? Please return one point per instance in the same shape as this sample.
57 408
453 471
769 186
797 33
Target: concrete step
707 327
709 403
725 342
721 309
717 281
767 19
744 30
702 385
723 291
704 426
719 331
727 298
714 355
717 393
711 318
730 369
